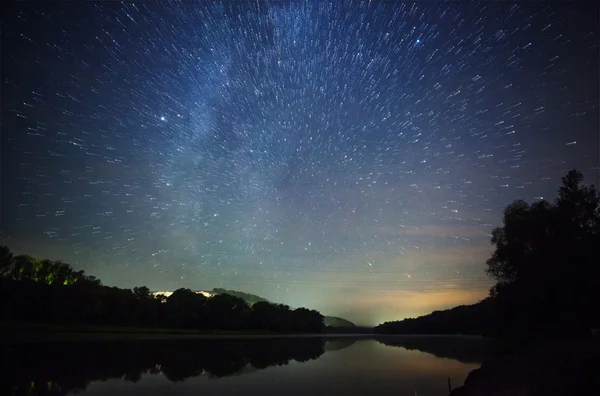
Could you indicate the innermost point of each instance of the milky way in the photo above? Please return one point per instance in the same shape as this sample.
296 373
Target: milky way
350 157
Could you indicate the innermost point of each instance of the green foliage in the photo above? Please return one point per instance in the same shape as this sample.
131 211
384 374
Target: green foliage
46 291
6 260
24 267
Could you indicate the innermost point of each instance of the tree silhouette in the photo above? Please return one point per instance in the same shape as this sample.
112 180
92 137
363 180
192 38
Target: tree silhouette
228 312
186 309
6 260
546 260
547 267
46 291
28 268
533 235
142 293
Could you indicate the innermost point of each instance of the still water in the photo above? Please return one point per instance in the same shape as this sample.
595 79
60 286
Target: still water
390 365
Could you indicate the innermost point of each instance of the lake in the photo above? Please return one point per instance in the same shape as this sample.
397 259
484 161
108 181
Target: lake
344 365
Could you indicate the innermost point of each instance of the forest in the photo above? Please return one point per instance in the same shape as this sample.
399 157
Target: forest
547 266
52 292
332 323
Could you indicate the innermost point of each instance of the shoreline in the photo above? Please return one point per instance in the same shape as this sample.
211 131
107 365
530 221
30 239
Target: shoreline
32 332
28 332
549 368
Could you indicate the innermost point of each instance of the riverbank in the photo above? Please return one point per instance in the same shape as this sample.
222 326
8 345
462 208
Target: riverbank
24 332
550 368
33 332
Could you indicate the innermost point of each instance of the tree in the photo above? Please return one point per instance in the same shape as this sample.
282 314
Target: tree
264 316
546 257
6 260
228 312
186 309
24 267
579 204
46 291
306 320
544 234
142 293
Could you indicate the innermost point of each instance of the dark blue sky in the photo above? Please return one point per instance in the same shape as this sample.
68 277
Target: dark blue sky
350 157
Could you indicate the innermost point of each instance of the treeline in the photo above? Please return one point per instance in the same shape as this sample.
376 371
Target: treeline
58 369
45 291
330 321
547 267
476 319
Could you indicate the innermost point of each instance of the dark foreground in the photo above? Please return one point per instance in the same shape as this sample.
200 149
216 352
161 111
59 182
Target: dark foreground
155 363
259 365
549 368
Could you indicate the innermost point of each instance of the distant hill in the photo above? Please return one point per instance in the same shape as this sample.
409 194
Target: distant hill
334 321
249 298
330 321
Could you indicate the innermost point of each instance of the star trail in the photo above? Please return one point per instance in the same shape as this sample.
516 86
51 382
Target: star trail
352 157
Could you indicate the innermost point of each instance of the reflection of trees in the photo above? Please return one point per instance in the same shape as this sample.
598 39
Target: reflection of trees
53 369
462 348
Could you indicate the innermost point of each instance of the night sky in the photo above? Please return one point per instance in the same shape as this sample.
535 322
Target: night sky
347 157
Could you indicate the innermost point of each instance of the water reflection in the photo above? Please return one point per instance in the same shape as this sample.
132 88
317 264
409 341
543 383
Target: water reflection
344 366
465 349
60 368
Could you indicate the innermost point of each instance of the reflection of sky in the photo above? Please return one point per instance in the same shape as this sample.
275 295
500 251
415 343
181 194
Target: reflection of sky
352 158
364 368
